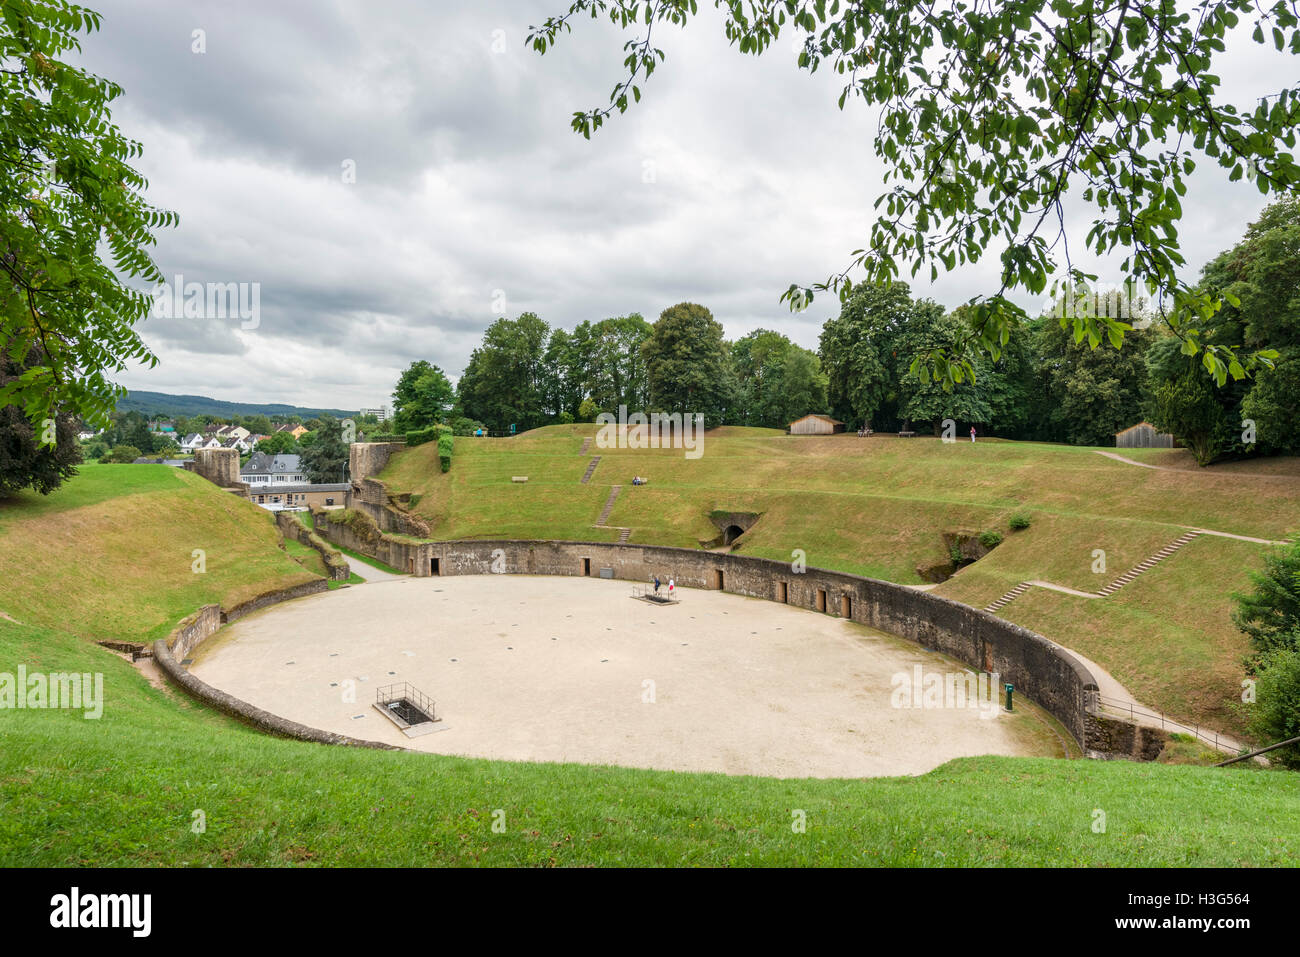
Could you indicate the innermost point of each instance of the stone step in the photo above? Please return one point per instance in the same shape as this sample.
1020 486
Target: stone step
591 467
1147 564
609 504
624 535
586 444
1008 598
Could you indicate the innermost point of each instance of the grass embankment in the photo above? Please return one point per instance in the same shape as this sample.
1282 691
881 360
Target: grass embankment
879 506
112 554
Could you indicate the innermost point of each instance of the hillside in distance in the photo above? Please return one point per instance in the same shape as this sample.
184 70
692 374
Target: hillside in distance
163 403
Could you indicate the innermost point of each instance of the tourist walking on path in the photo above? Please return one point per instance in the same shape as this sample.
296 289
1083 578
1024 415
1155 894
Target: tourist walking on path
671 585
972 433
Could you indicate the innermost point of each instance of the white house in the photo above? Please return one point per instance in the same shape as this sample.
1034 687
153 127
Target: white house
274 470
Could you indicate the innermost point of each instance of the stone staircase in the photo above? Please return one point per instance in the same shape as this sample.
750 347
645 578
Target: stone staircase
1151 562
591 467
586 444
1110 589
1008 598
624 534
609 504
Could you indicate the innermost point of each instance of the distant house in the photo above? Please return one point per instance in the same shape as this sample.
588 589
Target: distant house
1143 436
815 424
234 442
262 469
380 413
86 435
297 431
192 441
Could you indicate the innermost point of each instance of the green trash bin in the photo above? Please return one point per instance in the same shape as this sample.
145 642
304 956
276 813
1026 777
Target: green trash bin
1010 689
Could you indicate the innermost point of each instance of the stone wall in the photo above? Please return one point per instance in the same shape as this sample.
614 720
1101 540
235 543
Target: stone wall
218 466
1113 738
336 566
369 458
357 530
371 496
273 598
1038 668
194 629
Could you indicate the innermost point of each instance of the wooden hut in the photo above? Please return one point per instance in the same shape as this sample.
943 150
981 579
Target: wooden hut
815 424
1143 436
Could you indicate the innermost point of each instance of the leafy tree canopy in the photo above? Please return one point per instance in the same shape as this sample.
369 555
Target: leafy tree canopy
73 224
990 113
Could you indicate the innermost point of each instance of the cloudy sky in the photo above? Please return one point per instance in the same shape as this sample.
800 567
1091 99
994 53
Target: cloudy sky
734 177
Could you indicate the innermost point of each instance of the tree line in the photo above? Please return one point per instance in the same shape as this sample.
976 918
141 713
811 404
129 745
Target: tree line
1052 381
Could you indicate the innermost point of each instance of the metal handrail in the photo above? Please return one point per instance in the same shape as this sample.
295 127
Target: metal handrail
1128 707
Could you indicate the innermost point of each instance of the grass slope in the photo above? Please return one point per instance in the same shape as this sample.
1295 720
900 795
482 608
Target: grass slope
879 507
111 554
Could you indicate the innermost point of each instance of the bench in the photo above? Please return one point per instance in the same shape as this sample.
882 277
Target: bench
907 435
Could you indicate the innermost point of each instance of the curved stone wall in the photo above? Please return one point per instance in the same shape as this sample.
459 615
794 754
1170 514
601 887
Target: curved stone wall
194 629
1037 667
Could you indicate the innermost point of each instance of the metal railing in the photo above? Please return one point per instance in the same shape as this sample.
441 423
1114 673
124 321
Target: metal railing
1121 708
402 690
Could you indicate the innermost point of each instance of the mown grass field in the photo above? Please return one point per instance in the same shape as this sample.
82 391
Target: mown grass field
879 506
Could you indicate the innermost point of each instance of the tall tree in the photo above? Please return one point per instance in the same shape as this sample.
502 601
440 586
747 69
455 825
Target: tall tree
74 227
504 384
858 351
991 113
422 397
688 366
1086 395
326 458
1262 272
777 381
27 459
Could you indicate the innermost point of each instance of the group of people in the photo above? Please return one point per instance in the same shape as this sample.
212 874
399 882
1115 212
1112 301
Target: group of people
672 585
638 480
866 430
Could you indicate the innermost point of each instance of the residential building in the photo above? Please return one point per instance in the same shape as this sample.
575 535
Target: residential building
279 470
380 413
297 431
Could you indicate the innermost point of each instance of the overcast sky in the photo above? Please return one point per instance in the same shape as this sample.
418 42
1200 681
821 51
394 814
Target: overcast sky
734 177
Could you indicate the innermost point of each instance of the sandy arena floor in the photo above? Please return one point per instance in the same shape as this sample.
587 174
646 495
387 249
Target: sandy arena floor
574 669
